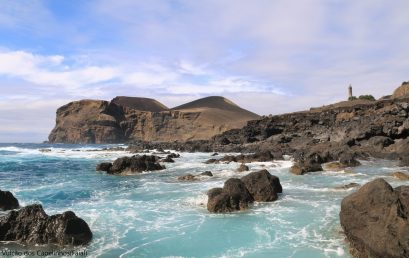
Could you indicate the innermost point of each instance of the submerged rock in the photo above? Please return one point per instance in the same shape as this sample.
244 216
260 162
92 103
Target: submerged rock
31 225
134 164
263 186
243 168
188 177
211 161
8 201
375 220
348 160
400 175
206 173
234 196
301 168
347 186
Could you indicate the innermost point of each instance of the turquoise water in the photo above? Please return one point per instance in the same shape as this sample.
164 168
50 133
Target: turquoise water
154 215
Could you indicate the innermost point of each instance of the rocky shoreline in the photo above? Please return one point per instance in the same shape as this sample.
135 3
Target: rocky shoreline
374 218
30 225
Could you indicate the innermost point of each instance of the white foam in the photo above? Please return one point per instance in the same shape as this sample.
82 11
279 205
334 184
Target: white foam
200 200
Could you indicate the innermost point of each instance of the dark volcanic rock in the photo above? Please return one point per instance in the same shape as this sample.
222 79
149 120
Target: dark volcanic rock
168 159
104 166
234 196
134 164
31 225
375 220
174 155
263 186
8 201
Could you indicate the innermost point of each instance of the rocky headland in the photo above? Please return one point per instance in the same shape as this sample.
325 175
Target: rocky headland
127 119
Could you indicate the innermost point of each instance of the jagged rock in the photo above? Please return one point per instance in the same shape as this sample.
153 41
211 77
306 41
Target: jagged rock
347 186
188 177
206 173
8 201
400 175
215 154
243 168
134 164
234 196
31 225
262 186
375 220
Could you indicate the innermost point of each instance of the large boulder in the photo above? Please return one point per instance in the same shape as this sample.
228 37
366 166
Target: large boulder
234 196
263 186
134 164
31 225
375 220
8 201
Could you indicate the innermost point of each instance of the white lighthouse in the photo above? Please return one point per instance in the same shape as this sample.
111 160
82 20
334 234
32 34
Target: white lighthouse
350 91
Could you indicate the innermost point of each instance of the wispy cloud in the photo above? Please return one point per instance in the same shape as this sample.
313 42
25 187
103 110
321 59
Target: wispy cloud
269 56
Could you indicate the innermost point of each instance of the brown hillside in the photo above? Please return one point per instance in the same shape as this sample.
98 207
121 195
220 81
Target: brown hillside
142 104
218 111
401 91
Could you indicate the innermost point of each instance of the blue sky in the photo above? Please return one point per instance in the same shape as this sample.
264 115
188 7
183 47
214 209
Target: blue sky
269 56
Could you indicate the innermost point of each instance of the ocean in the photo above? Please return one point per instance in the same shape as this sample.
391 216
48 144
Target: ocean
154 215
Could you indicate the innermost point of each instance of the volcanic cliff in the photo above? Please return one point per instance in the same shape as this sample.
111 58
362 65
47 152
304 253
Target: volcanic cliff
125 119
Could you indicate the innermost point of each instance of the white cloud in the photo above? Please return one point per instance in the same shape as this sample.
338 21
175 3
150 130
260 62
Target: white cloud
47 70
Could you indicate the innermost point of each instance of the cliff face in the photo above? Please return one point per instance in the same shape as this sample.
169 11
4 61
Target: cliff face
128 119
88 121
